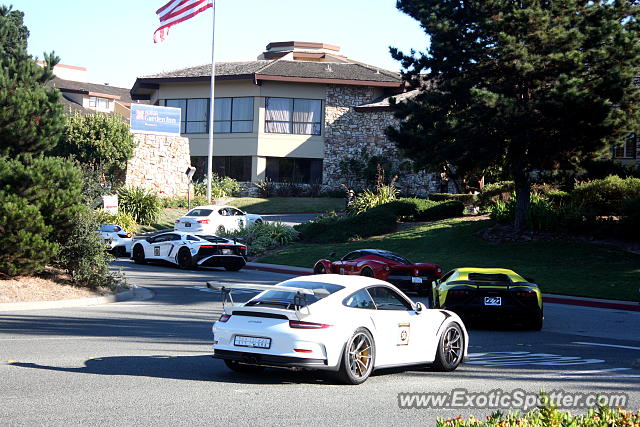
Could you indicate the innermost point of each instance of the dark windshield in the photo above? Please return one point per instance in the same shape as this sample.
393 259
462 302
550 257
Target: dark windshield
393 257
200 212
214 239
110 228
282 299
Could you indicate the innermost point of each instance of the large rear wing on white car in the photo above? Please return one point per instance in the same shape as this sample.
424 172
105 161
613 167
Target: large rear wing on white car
300 298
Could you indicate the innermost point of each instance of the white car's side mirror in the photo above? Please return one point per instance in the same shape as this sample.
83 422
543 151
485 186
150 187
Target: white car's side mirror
419 307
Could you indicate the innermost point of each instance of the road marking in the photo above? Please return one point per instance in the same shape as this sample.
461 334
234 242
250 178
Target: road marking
627 347
515 358
596 371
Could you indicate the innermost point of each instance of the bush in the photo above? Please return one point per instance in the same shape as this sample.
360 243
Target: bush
600 169
24 247
549 415
183 202
378 220
221 186
261 237
631 219
500 190
605 196
142 205
51 184
369 199
84 256
541 216
122 219
335 228
466 199
266 188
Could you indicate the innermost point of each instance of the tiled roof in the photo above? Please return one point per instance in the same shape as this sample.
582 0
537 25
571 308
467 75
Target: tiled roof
329 70
222 69
281 68
74 86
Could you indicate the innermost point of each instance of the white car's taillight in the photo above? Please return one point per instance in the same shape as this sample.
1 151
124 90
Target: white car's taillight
224 318
299 324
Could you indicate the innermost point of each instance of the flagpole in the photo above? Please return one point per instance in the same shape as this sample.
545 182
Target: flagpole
211 103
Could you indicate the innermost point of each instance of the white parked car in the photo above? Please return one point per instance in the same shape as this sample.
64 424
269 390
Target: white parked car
348 324
117 239
215 219
187 250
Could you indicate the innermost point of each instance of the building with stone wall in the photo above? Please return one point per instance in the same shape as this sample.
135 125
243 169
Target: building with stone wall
301 112
159 164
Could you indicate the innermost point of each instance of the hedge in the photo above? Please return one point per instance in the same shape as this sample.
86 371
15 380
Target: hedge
378 220
467 199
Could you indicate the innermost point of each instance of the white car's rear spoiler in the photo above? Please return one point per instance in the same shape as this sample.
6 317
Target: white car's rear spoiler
301 293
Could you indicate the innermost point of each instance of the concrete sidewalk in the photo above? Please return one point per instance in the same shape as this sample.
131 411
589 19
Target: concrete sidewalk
134 294
550 298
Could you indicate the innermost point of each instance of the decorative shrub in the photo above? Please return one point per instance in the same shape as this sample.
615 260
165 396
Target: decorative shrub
466 199
84 256
122 219
542 214
142 205
605 196
368 199
52 184
500 190
24 247
266 188
183 202
378 220
221 186
549 415
261 237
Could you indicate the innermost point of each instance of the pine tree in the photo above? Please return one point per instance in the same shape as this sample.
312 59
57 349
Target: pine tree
523 85
31 118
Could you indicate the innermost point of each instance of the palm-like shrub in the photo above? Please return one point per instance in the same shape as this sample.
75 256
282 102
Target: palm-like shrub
141 204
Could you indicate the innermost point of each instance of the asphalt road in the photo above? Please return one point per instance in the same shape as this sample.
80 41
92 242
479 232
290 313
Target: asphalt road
148 362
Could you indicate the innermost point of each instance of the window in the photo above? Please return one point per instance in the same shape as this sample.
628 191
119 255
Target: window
230 115
195 114
236 167
288 169
297 116
98 103
287 300
351 255
628 150
360 299
387 299
233 115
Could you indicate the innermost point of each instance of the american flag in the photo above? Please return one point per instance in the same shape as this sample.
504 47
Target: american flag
175 12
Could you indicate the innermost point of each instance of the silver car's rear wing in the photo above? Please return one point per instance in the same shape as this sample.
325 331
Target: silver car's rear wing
300 300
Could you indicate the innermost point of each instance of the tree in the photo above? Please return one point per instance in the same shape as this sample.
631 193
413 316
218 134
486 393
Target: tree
100 142
524 85
31 118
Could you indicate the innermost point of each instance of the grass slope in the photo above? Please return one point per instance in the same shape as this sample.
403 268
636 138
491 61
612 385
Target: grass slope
567 268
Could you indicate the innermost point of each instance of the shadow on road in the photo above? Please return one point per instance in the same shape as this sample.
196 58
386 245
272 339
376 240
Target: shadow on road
191 368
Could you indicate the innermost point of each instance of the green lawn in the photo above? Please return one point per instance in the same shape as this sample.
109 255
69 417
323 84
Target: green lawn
277 205
567 268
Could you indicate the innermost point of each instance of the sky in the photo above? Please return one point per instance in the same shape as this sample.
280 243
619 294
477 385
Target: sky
113 39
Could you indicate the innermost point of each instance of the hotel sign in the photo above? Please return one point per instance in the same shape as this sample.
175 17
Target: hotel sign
155 119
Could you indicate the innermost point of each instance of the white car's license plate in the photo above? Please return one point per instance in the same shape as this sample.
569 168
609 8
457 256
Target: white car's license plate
416 280
492 300
226 251
253 342
187 224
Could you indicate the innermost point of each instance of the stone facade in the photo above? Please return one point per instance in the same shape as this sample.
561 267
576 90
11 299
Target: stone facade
159 164
349 134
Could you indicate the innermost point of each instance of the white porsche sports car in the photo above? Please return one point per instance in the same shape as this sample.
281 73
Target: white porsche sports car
188 250
347 324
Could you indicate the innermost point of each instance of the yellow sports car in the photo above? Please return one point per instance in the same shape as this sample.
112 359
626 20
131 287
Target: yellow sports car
490 292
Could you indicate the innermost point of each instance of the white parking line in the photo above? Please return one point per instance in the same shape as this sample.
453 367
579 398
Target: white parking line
595 371
627 347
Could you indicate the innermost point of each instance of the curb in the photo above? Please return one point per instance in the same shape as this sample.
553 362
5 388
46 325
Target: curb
134 294
548 298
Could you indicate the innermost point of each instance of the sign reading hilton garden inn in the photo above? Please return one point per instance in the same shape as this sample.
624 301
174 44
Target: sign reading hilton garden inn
155 119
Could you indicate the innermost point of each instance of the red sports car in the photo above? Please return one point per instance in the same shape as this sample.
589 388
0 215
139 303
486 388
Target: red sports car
384 265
